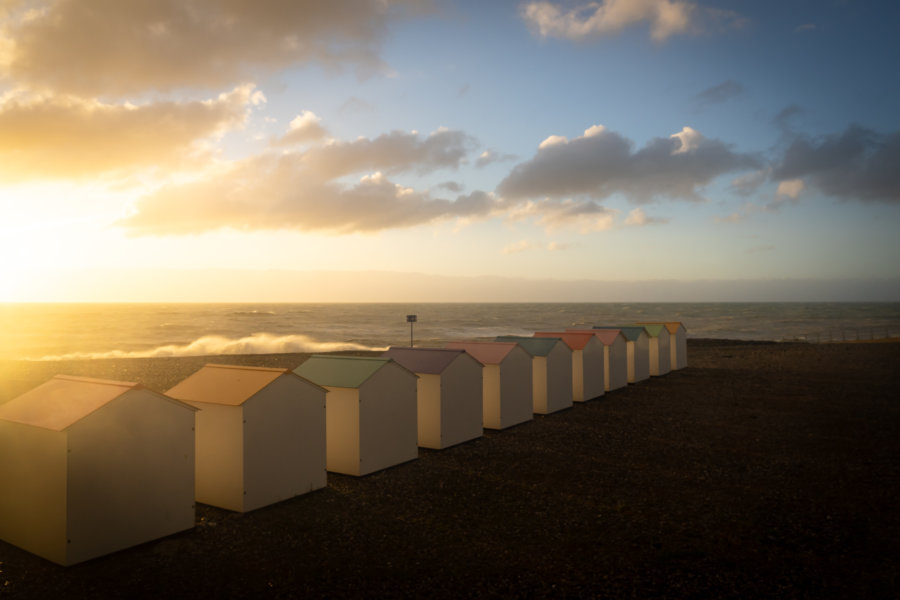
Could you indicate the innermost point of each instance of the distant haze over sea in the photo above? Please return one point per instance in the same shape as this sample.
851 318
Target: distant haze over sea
71 331
248 285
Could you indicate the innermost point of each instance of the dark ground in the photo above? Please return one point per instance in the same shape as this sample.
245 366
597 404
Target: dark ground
762 471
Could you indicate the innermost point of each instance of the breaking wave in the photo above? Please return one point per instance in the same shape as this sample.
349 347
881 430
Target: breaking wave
259 343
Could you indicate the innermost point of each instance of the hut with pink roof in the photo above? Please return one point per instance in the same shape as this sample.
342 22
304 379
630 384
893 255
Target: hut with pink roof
587 362
90 466
615 357
506 382
551 369
448 394
260 435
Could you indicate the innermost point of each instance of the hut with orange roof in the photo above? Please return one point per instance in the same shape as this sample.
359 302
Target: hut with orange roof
587 362
260 435
91 466
506 382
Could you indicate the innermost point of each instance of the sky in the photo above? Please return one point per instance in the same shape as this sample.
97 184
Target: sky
382 150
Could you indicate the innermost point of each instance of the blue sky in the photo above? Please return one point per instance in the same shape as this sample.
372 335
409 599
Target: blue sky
615 141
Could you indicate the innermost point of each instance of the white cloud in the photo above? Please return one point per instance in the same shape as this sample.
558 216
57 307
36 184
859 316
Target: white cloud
520 246
305 127
791 188
606 17
637 217
604 163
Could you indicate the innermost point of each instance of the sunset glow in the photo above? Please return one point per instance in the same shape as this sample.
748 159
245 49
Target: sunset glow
627 141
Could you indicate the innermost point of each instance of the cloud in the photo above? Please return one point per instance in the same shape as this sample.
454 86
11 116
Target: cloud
805 27
584 217
306 127
637 217
520 246
857 164
525 245
718 94
284 192
749 183
602 163
130 47
391 152
354 105
791 188
489 157
605 17
44 137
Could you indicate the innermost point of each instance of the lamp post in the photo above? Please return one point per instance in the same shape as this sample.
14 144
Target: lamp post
411 319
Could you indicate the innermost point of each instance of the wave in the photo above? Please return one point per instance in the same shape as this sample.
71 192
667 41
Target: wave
252 313
258 343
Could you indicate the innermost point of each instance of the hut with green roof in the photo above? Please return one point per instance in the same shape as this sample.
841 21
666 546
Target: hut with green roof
660 353
677 342
551 371
370 411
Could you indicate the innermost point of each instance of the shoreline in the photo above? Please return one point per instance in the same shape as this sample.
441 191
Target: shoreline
764 469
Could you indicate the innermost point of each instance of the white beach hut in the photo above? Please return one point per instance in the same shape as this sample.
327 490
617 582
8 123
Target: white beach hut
660 353
551 368
587 362
638 350
371 411
449 392
615 357
677 342
260 435
506 382
90 466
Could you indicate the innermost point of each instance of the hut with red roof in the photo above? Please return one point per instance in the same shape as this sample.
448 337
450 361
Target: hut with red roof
615 357
506 382
587 362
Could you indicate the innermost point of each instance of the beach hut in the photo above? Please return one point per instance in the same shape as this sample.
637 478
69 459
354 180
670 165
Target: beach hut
506 382
587 362
677 342
448 394
660 353
615 357
638 350
371 411
260 435
551 370
89 467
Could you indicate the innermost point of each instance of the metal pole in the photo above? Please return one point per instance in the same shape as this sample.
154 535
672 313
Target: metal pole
411 319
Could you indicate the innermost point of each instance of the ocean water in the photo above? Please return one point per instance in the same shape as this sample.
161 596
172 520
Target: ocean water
63 331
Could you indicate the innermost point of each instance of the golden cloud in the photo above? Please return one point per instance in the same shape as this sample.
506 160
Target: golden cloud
51 137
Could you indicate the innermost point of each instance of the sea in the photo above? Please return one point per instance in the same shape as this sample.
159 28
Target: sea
96 331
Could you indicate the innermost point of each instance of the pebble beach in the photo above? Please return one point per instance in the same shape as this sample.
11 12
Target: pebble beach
762 470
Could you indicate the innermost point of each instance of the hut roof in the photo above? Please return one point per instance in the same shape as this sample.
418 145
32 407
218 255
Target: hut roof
487 353
631 332
64 400
672 326
607 336
229 385
342 371
424 360
576 340
541 346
